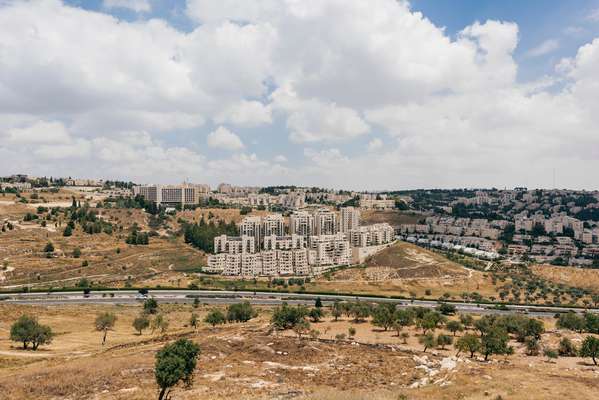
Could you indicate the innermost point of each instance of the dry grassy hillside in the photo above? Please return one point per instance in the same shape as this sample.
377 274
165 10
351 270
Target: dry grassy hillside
392 217
104 258
250 361
217 214
404 268
571 276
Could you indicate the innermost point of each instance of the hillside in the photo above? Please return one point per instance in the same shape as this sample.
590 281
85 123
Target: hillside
392 217
250 361
404 268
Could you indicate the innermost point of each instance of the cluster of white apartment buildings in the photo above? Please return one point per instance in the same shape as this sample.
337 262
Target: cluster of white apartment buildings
457 227
376 201
310 243
21 186
555 224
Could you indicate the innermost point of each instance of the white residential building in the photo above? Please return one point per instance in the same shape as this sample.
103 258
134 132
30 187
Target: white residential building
301 223
325 222
330 250
252 226
349 219
371 235
289 242
273 224
293 200
234 244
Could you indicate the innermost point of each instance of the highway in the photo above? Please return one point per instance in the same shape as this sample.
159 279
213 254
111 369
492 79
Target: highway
258 298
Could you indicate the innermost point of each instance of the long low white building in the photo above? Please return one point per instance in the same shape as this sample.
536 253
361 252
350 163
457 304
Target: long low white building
265 263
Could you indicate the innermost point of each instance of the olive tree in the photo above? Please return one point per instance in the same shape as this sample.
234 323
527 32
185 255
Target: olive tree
28 330
104 323
175 362
140 323
590 348
427 341
468 343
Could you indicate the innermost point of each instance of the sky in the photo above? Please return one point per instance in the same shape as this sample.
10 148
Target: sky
376 95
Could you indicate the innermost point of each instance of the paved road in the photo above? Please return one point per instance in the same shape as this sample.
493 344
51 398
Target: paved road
259 298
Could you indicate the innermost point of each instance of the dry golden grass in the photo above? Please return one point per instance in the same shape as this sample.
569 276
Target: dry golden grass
404 268
247 361
392 217
571 276
23 248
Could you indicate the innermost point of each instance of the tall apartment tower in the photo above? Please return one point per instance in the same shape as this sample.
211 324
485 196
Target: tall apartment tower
273 224
252 226
349 219
301 223
325 222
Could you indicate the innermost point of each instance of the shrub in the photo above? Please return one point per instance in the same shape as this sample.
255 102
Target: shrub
215 317
159 323
444 340
76 252
550 353
567 348
351 331
446 309
241 312
286 317
571 321
316 314
151 306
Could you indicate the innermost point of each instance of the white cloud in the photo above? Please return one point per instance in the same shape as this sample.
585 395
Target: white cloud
315 121
222 138
573 30
593 15
375 144
41 132
207 11
246 114
321 73
79 148
546 47
280 158
134 5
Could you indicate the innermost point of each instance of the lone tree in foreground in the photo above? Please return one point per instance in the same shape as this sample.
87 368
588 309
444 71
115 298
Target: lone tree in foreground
140 323
28 330
590 348
104 323
175 362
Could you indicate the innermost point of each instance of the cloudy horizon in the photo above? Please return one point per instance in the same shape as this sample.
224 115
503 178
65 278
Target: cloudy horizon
349 94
